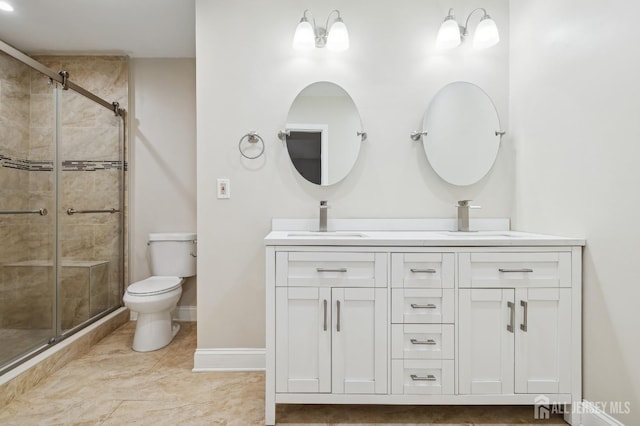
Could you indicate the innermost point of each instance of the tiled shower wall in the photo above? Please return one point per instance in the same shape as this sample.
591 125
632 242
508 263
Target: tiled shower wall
89 179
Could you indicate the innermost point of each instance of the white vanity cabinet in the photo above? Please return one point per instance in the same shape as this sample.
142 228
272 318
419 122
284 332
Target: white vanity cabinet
331 323
423 319
514 334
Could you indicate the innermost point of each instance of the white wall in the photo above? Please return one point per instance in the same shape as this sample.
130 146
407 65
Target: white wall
575 109
162 164
247 77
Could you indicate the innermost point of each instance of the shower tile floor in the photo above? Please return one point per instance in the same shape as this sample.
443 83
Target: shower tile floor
112 385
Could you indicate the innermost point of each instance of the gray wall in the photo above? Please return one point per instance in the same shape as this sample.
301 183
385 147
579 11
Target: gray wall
163 158
575 103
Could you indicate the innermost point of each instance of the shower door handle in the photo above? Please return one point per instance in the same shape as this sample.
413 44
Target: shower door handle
41 212
74 211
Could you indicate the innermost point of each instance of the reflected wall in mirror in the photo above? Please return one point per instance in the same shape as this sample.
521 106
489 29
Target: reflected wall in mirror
323 138
463 133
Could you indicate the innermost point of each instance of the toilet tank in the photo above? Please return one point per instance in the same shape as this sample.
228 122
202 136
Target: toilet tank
173 254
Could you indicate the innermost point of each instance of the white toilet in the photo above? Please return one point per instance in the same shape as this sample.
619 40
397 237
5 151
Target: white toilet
173 257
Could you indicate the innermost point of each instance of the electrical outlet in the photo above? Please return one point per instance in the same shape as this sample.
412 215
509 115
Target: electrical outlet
224 188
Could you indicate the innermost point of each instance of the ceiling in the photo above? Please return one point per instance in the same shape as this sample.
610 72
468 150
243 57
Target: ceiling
138 28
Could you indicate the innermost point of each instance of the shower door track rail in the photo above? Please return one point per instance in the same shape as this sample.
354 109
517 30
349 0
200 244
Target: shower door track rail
61 77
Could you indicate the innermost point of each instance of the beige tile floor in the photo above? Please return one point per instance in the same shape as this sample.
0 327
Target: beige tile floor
112 385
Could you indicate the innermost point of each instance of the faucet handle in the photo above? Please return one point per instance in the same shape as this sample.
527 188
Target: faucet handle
465 203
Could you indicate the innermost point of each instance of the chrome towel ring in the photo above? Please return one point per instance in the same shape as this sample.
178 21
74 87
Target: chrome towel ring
252 138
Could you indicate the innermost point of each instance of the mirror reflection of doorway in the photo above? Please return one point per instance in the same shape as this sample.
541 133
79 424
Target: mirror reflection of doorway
308 151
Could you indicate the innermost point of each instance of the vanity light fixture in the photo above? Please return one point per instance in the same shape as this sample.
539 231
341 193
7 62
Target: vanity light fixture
451 34
308 36
6 7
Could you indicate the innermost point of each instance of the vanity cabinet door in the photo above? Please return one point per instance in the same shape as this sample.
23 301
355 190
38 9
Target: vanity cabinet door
359 329
331 340
303 340
515 341
543 340
486 338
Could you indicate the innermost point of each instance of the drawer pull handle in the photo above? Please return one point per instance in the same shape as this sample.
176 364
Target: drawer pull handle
423 271
331 269
512 316
427 306
427 378
515 270
423 342
325 315
525 305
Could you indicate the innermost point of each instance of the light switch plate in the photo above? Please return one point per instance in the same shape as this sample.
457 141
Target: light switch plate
224 188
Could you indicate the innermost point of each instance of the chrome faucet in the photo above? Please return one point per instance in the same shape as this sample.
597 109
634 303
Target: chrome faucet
323 216
463 215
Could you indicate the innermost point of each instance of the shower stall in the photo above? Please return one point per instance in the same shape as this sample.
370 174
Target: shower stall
61 206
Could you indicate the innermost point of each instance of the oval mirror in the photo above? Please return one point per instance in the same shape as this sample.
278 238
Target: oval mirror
323 133
463 133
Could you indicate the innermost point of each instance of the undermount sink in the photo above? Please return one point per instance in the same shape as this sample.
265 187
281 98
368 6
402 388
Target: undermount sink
480 234
326 234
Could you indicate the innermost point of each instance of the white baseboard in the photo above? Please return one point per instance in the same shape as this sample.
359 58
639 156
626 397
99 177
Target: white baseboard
229 359
182 313
594 416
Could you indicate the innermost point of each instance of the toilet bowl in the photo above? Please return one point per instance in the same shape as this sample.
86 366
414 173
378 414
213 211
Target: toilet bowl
155 298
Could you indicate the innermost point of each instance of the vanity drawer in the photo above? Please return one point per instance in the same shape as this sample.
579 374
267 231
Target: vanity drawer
536 269
421 306
422 377
422 341
331 269
422 270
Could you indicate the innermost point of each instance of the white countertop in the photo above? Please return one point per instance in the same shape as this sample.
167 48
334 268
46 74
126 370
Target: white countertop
438 233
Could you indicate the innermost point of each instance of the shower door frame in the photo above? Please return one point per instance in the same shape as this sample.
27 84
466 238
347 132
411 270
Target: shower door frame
62 78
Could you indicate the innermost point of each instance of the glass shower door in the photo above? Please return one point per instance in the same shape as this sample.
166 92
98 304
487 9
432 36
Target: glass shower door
27 210
90 209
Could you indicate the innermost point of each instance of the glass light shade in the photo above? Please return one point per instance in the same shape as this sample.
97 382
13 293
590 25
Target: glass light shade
305 37
338 38
6 6
449 34
486 34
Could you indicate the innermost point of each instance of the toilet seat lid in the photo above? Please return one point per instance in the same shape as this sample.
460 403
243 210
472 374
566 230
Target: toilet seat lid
154 285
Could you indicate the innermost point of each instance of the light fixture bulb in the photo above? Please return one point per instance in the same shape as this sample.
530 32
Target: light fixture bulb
305 37
486 33
6 6
338 38
449 34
